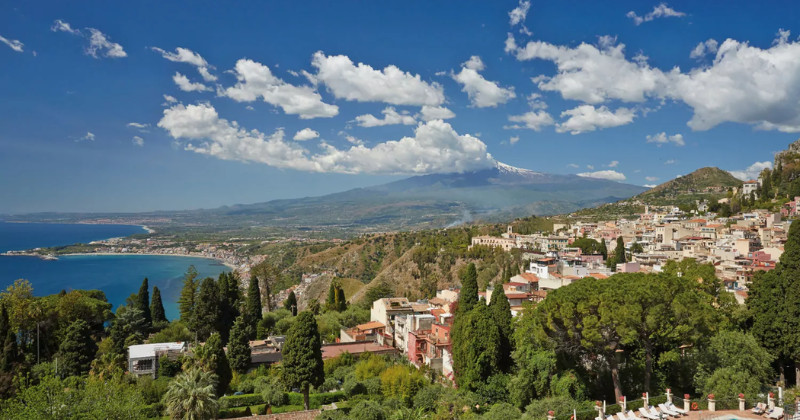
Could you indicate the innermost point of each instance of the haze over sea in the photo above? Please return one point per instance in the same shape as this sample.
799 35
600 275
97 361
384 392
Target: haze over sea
116 275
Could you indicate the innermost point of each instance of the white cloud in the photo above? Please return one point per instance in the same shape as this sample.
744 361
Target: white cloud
305 134
585 118
137 141
660 11
168 99
435 147
752 171
710 46
513 140
670 162
650 185
61 26
363 83
137 125
89 136
609 175
390 117
533 120
651 178
99 44
573 165
590 167
185 55
482 93
613 164
15 44
187 86
428 113
256 80
519 13
662 138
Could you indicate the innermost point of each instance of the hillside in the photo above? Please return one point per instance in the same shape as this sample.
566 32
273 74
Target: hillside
709 180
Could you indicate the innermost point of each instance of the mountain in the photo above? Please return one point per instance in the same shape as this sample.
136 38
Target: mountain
426 201
709 180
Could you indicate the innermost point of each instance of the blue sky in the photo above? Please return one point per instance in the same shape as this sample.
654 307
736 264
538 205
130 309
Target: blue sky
145 106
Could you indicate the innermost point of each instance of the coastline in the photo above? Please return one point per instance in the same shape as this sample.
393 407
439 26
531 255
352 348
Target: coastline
152 254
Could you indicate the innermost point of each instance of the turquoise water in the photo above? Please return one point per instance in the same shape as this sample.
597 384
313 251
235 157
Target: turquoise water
116 275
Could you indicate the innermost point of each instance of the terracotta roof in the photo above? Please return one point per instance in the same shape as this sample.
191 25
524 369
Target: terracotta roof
514 283
599 276
330 351
530 277
517 295
370 326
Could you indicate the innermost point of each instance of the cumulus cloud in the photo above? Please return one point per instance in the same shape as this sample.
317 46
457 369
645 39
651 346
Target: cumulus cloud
435 147
752 171
186 85
662 138
185 55
519 13
137 141
360 82
99 43
743 84
573 165
89 136
390 117
305 134
660 11
482 93
533 120
255 80
609 175
15 44
168 99
709 46
650 185
670 162
613 164
428 113
585 118
513 140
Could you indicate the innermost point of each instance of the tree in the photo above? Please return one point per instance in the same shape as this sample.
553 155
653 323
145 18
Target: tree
501 313
602 249
77 349
206 309
734 362
191 396
143 302
271 391
476 347
229 300
468 297
341 301
127 327
8 342
266 275
239 347
159 317
619 251
253 308
211 358
186 302
330 301
291 303
302 356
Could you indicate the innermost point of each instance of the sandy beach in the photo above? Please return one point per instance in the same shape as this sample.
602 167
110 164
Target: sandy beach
225 263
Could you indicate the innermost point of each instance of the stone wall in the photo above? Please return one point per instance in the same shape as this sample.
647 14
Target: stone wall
296 415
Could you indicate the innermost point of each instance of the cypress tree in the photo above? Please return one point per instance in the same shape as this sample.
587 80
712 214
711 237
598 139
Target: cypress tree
602 249
468 297
206 310
157 308
619 251
186 301
143 302
501 313
330 302
239 347
341 301
291 303
302 355
77 349
218 363
8 352
228 303
253 307
476 347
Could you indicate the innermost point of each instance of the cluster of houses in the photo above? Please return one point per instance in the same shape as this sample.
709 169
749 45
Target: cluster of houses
736 246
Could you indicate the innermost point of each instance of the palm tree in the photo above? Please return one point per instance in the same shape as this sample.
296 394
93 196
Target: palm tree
192 396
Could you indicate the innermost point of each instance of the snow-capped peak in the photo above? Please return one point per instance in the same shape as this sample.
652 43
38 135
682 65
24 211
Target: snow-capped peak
508 169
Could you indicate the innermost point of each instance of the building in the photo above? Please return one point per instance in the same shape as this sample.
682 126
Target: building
143 358
362 332
329 351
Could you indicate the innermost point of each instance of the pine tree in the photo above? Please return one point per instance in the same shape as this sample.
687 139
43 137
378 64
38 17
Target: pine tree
253 307
291 303
206 310
186 301
239 347
468 297
501 313
77 349
302 355
341 301
143 302
157 309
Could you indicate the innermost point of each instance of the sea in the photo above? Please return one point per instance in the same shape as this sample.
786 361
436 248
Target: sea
118 276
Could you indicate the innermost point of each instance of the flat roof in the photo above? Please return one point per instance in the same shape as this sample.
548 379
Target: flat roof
330 351
149 350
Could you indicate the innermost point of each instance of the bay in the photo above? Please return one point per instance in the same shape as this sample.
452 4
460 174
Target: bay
116 275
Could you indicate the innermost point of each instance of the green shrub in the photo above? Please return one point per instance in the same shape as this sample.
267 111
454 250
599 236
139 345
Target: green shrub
367 410
167 367
373 386
428 397
234 401
353 388
153 410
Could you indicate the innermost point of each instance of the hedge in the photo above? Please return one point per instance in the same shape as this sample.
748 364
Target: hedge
153 410
295 398
234 401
